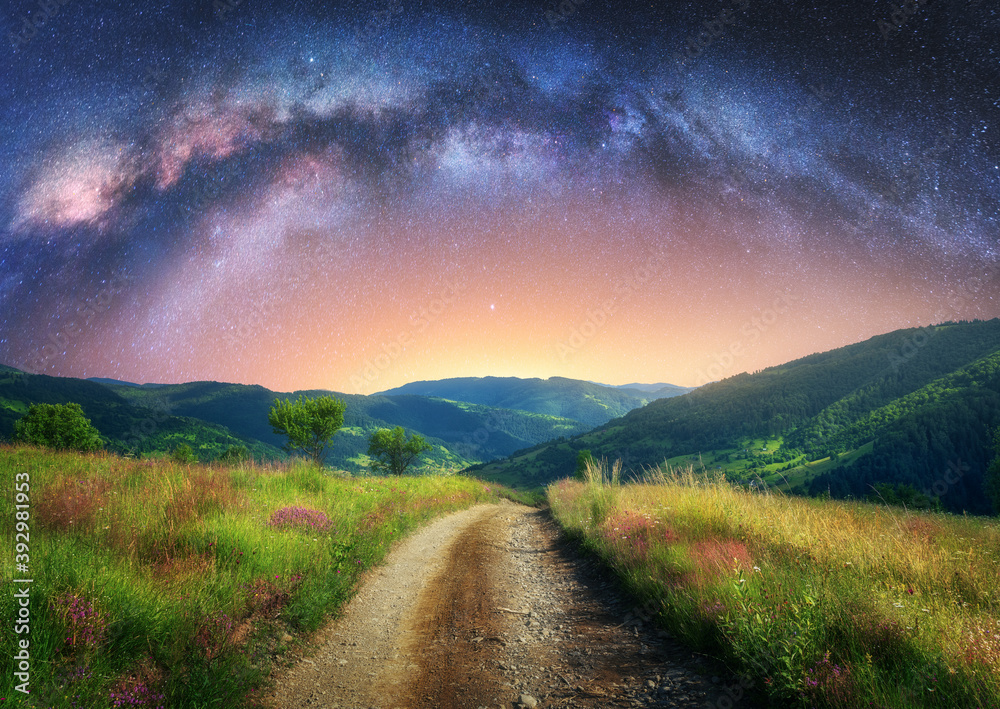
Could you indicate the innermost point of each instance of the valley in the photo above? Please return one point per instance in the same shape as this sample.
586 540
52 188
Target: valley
152 419
426 354
881 417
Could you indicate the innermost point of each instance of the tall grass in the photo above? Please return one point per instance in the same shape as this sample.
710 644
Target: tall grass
159 584
824 604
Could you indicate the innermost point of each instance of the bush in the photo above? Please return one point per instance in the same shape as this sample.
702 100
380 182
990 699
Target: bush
183 454
234 455
59 426
583 459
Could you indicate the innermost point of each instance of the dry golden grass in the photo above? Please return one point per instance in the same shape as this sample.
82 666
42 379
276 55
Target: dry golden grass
873 603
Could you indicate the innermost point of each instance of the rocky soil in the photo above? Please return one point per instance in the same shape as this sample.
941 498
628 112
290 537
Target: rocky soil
490 607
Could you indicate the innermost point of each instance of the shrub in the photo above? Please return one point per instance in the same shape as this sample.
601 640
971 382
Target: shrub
59 426
234 455
183 454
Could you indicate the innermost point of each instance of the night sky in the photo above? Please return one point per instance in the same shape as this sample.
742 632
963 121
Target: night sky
354 196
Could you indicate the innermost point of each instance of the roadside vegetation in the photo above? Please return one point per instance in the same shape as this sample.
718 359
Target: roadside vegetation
165 583
815 603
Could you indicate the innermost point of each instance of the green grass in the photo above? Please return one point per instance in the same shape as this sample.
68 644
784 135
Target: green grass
819 603
18 406
179 581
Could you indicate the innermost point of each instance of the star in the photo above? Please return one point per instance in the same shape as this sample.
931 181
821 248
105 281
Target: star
282 197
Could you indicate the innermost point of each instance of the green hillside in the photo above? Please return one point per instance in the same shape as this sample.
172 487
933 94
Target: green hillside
586 402
211 416
461 434
909 408
136 427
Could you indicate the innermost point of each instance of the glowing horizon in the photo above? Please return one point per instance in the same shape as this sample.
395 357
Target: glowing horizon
319 202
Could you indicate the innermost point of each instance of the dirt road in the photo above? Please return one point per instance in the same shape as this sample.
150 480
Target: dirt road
490 608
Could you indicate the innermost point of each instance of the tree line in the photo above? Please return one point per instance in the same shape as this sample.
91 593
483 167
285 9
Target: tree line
308 425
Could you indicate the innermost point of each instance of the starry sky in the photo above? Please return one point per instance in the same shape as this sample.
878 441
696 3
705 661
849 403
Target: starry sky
351 196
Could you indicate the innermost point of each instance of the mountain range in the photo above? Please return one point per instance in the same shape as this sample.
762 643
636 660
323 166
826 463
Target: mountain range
211 416
906 415
586 402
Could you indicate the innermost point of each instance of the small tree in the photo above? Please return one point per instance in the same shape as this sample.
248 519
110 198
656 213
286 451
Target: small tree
184 454
61 426
235 455
309 424
992 480
583 458
391 452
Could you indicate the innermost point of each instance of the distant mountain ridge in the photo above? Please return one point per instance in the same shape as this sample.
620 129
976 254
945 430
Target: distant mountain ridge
908 413
587 402
662 388
114 382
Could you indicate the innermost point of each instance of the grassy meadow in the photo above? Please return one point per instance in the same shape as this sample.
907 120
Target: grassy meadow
159 584
816 603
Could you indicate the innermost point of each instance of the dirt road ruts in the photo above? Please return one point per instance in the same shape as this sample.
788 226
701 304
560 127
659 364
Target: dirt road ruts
490 607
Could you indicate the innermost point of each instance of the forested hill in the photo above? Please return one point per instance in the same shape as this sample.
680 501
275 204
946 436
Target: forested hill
461 433
212 416
903 408
587 402
815 393
125 425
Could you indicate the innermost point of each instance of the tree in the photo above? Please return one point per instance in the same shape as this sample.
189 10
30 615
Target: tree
183 454
61 426
583 459
309 424
235 455
391 452
992 479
